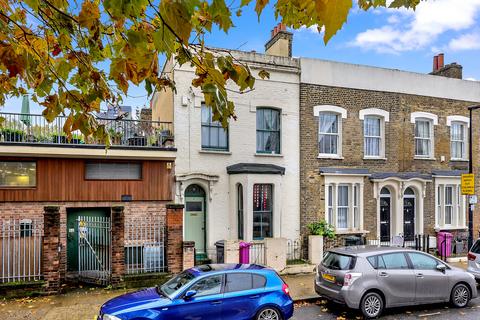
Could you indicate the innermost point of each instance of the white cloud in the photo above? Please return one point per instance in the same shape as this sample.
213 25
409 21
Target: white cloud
469 41
313 29
408 30
470 79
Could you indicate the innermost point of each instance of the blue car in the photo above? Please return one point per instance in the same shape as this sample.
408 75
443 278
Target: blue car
213 291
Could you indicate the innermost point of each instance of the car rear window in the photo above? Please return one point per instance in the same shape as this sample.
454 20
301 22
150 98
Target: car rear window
336 261
476 247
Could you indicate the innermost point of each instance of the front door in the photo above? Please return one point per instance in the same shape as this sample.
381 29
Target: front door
409 218
384 219
195 222
72 231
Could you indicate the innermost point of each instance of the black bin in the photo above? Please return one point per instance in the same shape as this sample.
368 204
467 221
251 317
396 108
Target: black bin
220 245
353 241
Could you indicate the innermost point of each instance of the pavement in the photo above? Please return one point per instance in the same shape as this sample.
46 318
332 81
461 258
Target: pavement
84 303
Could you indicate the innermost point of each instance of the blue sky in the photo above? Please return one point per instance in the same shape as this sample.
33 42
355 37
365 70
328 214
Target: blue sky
398 39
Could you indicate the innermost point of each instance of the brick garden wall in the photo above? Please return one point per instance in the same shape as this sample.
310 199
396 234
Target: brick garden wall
399 143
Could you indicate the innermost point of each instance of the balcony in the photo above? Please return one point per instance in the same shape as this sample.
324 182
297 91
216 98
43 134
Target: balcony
34 131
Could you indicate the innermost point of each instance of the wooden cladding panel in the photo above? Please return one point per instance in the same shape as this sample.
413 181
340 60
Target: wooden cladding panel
64 180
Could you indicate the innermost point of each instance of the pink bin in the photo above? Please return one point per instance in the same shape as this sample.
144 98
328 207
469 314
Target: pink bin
245 252
444 243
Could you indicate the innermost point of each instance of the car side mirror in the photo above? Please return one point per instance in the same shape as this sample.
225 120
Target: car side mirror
441 268
189 294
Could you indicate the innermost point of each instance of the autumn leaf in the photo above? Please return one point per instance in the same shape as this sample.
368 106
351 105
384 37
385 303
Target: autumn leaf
89 14
264 74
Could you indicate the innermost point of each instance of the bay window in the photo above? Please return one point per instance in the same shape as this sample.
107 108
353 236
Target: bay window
344 206
451 204
262 211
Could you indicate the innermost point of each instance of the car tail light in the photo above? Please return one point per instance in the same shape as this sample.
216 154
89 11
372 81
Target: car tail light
350 278
471 257
285 289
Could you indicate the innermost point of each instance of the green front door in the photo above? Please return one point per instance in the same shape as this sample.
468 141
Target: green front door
72 231
195 222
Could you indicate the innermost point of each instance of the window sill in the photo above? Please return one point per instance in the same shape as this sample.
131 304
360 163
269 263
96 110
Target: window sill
348 231
330 156
458 160
437 229
215 152
259 154
424 158
375 158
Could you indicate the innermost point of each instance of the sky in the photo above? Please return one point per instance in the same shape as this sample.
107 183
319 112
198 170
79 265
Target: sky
391 38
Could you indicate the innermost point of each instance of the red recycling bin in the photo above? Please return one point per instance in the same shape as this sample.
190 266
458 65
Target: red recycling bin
444 243
245 252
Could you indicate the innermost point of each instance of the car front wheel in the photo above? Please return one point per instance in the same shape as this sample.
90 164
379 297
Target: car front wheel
268 313
372 305
460 296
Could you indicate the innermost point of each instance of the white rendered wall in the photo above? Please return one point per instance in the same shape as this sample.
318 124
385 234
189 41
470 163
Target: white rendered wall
281 91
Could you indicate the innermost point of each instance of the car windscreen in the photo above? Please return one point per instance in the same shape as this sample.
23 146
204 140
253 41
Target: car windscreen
336 261
176 283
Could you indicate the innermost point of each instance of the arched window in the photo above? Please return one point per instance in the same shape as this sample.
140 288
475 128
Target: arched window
409 192
385 192
240 220
329 130
374 132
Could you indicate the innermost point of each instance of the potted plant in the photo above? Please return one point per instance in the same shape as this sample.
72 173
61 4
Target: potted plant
59 138
318 230
12 135
115 136
76 139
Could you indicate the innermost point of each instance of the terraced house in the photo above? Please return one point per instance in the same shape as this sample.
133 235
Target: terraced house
382 150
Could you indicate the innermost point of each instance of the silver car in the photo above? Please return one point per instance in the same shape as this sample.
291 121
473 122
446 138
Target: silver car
371 278
474 260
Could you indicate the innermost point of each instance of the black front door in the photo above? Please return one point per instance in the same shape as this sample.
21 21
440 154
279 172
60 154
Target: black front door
384 219
409 218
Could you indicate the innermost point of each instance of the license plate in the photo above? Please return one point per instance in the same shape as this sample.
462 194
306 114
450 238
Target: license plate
328 277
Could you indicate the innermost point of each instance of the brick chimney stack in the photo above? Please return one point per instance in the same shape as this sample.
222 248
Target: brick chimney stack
452 70
280 43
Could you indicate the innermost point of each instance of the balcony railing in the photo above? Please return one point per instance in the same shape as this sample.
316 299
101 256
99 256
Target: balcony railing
35 129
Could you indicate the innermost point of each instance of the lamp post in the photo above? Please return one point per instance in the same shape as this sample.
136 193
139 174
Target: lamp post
470 170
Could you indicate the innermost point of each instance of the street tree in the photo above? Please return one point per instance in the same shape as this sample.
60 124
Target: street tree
72 56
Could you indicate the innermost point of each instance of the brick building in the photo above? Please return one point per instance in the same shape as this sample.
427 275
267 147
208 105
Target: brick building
382 151
70 209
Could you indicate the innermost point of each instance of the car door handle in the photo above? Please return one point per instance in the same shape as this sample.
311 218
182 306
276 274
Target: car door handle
419 275
255 296
216 302
383 274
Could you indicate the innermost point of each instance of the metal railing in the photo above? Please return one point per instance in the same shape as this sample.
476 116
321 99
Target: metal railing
257 252
145 245
35 129
294 252
420 242
21 250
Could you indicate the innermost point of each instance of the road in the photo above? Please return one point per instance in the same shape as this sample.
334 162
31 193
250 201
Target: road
325 311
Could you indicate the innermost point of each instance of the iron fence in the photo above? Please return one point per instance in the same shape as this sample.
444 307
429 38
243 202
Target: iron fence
145 245
21 254
420 242
294 252
94 249
257 252
35 129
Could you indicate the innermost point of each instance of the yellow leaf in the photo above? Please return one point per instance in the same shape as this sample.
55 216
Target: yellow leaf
333 14
89 14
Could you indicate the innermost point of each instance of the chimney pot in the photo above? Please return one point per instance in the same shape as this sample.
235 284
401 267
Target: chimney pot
440 61
271 34
435 63
275 30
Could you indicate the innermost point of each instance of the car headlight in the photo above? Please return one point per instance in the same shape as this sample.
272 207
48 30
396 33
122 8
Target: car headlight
110 317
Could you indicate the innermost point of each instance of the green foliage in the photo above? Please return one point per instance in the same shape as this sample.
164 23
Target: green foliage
74 55
322 228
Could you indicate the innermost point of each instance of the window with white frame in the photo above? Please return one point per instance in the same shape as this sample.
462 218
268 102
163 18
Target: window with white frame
343 206
451 205
458 140
372 131
214 136
329 133
423 138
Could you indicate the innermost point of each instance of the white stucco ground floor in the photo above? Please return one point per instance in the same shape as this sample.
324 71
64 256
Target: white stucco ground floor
242 202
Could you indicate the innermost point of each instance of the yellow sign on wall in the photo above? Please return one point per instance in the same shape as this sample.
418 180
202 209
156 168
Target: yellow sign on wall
468 184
